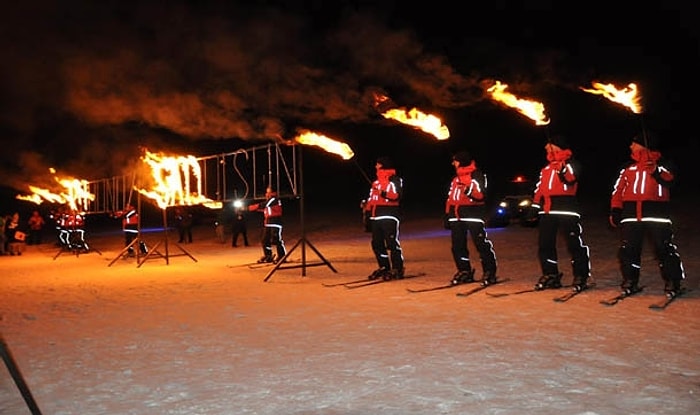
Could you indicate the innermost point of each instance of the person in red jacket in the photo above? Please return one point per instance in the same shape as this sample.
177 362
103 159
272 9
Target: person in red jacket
555 196
464 213
639 206
130 227
382 208
272 226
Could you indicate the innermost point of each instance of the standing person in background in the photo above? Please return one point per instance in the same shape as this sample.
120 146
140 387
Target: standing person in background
220 226
272 226
239 228
15 234
3 238
464 213
555 196
183 221
639 206
383 207
36 224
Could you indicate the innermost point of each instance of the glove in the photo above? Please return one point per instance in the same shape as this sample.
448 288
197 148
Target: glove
383 194
558 166
615 217
650 166
446 221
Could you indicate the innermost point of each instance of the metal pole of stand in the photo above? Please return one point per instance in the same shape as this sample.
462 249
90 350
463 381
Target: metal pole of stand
18 378
303 241
154 250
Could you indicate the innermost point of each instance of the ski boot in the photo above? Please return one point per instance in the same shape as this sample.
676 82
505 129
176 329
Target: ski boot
265 259
580 284
379 273
672 289
463 277
549 281
489 278
630 290
394 274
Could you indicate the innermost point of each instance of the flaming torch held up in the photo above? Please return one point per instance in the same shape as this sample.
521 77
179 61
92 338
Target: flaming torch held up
326 143
415 118
628 97
532 109
330 145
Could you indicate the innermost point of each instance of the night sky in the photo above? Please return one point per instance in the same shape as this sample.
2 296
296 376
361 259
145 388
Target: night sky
84 84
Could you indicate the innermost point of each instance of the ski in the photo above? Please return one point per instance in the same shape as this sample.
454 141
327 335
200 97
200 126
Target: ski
437 288
616 299
338 284
525 291
480 288
258 265
366 283
661 305
247 264
571 294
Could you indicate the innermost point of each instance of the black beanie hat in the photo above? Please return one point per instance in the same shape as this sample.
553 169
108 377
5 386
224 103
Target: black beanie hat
559 141
385 162
463 158
648 140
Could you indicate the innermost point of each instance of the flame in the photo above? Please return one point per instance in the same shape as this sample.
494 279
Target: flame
74 192
173 181
326 143
531 109
627 97
426 122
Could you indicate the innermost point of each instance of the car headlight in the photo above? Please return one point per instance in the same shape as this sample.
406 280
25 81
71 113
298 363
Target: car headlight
524 203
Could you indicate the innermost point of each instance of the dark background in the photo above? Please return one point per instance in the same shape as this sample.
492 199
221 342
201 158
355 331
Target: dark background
83 86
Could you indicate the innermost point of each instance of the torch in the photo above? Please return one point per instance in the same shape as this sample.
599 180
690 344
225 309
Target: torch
532 109
627 97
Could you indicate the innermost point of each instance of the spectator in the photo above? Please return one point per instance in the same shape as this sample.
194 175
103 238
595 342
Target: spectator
15 235
36 224
239 227
183 222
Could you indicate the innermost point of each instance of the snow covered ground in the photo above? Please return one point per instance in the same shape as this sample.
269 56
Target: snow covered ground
207 335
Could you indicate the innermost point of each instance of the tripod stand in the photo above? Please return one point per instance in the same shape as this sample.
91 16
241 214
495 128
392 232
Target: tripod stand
18 378
142 253
164 241
303 241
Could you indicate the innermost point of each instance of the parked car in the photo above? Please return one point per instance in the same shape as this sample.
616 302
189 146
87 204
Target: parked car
515 207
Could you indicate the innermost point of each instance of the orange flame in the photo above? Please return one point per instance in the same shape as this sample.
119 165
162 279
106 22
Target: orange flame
531 109
627 97
326 143
75 193
425 122
173 177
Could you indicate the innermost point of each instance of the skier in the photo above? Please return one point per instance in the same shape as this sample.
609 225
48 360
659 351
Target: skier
640 205
464 212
